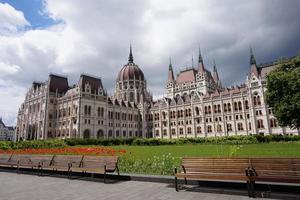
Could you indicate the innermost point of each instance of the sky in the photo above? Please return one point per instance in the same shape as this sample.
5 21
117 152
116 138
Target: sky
39 37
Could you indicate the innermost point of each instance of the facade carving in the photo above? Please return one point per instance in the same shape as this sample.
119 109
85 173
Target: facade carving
196 105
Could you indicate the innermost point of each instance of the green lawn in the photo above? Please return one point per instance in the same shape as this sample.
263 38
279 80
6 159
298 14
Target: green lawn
163 159
249 150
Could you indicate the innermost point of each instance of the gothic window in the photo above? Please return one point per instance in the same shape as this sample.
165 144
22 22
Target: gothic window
189 130
181 131
229 107
219 128
86 134
173 131
229 127
197 111
240 126
100 133
165 132
235 106
240 105
260 123
198 129
273 123
131 96
209 129
246 104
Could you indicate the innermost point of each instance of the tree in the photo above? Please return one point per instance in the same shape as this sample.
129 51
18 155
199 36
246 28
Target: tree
283 93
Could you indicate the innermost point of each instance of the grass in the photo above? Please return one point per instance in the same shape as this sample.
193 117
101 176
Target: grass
162 159
285 149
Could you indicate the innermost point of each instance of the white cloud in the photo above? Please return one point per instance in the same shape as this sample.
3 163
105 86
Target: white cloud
93 37
6 68
11 19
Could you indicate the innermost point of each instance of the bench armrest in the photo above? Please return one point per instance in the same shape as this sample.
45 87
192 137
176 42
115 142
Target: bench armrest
250 171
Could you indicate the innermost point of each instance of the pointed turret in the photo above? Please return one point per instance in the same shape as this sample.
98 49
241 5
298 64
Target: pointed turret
200 63
253 69
171 74
130 58
215 74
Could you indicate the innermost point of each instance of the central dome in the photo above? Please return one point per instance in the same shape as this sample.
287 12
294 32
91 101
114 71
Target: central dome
130 71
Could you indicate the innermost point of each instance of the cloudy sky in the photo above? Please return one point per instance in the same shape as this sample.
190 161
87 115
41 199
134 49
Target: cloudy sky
92 36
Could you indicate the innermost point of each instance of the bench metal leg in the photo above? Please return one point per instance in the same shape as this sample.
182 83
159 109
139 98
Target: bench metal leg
176 182
251 189
104 175
118 171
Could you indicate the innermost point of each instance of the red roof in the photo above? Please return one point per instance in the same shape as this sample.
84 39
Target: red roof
186 76
130 72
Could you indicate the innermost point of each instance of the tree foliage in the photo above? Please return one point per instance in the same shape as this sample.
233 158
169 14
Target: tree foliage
283 92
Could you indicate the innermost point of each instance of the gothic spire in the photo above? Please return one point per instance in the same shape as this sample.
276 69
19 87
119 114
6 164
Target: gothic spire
253 68
170 75
215 67
215 73
252 58
130 58
200 63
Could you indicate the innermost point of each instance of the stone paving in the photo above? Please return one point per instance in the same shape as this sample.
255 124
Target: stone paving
32 187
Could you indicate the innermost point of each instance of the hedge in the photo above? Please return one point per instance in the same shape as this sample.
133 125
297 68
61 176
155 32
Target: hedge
232 140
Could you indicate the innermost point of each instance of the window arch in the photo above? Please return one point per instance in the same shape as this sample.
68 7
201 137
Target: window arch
86 134
100 133
131 96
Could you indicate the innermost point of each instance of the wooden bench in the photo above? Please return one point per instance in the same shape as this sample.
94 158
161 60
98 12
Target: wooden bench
97 164
5 160
279 170
62 163
213 169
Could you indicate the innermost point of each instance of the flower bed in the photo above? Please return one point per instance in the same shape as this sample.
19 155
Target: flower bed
103 151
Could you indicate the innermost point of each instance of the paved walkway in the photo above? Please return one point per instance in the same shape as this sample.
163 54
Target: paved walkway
27 186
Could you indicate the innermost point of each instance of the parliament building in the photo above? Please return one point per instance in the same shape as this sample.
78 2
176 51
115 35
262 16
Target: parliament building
195 104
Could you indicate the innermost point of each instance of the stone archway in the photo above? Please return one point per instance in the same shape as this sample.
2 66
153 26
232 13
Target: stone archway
100 133
86 134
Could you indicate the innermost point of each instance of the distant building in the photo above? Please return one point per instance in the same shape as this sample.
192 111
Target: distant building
6 132
196 105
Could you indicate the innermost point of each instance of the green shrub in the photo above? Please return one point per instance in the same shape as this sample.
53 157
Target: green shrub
162 165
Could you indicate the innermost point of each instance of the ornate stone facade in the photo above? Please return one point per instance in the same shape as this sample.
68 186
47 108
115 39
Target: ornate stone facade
196 105
6 132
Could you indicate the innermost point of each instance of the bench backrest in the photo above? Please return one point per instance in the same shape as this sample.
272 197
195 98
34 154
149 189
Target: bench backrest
21 158
65 160
276 166
4 158
43 159
99 161
215 165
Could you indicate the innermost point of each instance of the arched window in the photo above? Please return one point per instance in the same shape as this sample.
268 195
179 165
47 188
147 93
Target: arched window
235 106
86 134
240 105
131 96
246 104
260 123
225 107
173 131
197 111
198 129
100 133
240 126
258 101
229 107
189 130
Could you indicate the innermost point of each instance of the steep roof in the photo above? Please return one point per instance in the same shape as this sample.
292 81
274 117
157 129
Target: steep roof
1 122
94 82
58 83
185 76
